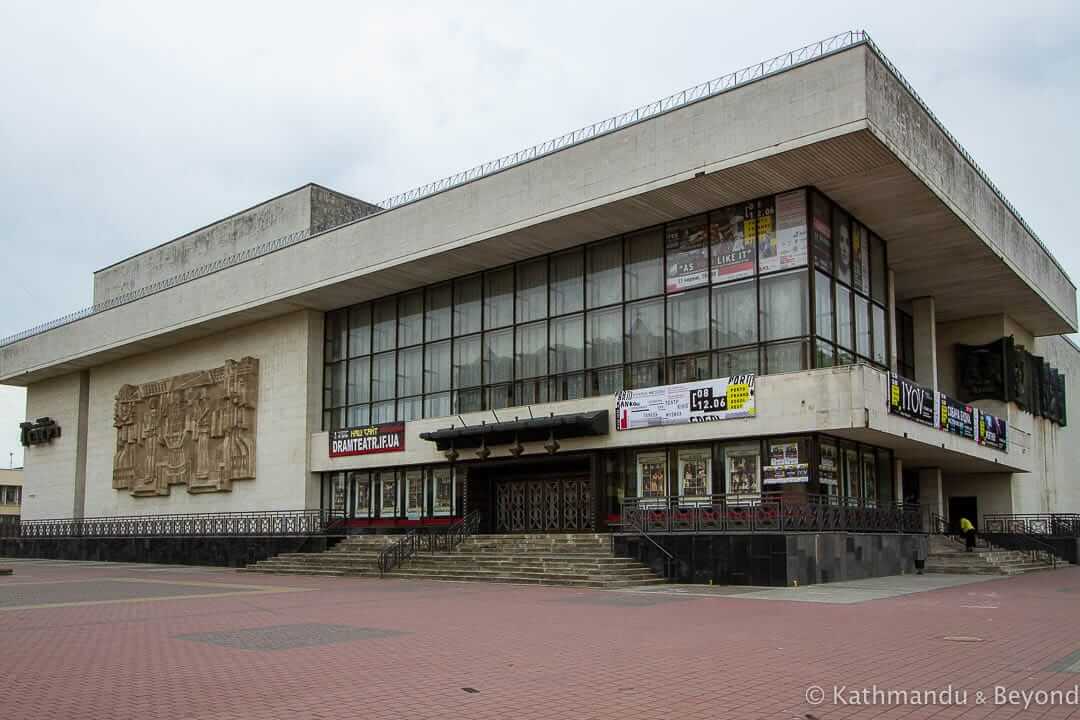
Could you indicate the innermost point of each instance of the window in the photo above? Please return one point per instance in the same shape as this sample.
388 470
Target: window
410 371
605 273
437 405
437 367
567 282
499 356
467 305
646 374
338 492
467 361
862 326
415 494
383 377
388 494
442 491
828 468
784 301
604 339
652 475
821 232
860 258
644 265
688 368
645 330
468 400
361 490
785 357
878 271
568 387
687 255
735 362
499 396
360 330
688 322
825 354
604 382
438 311
568 344
842 239
499 298
869 476
880 350
530 392
384 336
334 385
532 350
823 306
336 336
734 314
532 290
359 390
411 319
359 415
845 327
409 409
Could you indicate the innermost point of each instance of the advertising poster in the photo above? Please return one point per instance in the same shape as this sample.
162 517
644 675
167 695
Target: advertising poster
790 248
784 465
828 472
442 503
367 440
843 248
687 256
363 496
388 504
768 253
912 401
414 495
860 253
992 431
822 235
695 472
652 474
693 402
742 470
956 417
733 230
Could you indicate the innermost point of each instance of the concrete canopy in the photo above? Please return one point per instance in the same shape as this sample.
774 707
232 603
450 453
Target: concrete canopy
844 123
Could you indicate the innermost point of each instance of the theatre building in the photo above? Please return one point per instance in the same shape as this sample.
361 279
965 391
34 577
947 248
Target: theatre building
789 282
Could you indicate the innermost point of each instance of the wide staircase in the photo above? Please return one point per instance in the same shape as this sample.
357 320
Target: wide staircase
355 555
948 555
576 560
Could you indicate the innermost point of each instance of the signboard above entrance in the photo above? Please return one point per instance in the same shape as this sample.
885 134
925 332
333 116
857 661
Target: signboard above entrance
694 402
367 440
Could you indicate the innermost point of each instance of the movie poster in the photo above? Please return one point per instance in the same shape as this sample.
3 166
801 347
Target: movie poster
362 488
337 501
687 255
414 494
828 467
443 482
860 253
389 496
843 247
768 252
789 250
733 231
822 235
742 470
695 472
992 431
652 474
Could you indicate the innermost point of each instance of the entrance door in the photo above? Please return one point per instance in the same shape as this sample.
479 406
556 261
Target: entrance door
563 504
967 507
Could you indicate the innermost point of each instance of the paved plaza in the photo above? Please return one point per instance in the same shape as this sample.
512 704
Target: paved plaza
110 640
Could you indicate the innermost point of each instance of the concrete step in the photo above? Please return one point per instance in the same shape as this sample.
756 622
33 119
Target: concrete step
525 574
547 580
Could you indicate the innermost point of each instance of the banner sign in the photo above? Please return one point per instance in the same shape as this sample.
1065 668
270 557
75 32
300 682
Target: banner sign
956 417
912 401
733 236
992 431
694 402
367 440
687 256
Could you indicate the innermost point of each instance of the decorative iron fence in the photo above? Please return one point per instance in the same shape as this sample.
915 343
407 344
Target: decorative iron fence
278 523
768 513
414 542
1052 524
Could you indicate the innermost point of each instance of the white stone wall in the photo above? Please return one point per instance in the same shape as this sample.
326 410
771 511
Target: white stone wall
49 470
282 423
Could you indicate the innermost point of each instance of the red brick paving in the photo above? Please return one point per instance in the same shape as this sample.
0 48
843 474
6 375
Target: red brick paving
528 652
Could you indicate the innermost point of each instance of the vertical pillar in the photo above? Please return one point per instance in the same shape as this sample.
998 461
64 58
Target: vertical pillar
924 320
898 480
930 492
893 364
78 509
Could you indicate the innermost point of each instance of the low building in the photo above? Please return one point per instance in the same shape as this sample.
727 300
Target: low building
10 493
791 280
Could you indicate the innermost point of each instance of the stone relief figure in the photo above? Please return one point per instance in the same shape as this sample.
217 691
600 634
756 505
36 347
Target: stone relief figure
195 429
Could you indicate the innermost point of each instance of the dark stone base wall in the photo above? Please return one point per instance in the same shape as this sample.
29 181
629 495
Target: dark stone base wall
223 551
778 560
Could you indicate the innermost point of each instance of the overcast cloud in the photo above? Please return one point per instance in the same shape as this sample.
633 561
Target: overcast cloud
123 125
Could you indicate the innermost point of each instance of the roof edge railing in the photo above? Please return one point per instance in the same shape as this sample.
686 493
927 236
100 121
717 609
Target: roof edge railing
710 88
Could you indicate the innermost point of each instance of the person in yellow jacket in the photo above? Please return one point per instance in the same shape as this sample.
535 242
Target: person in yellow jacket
968 531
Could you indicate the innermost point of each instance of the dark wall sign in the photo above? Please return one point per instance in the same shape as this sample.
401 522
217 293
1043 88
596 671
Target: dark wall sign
1002 371
367 440
41 431
992 431
914 402
956 417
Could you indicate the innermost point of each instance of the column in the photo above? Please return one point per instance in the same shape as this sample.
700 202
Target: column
898 480
924 321
892 320
930 493
78 509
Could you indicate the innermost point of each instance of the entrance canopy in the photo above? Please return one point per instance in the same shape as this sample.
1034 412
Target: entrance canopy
531 430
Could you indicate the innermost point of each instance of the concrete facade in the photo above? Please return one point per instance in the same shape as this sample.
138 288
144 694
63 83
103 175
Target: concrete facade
845 124
11 482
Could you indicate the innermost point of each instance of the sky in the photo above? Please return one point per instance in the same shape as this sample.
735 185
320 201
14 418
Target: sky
124 124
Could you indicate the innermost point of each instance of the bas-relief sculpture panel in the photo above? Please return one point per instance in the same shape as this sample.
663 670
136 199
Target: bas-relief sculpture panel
195 429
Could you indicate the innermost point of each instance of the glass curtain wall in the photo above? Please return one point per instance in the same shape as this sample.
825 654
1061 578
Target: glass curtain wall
778 284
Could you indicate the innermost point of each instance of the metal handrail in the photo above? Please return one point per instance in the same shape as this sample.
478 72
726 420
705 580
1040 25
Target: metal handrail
398 552
1028 543
1051 524
455 534
413 541
640 531
243 523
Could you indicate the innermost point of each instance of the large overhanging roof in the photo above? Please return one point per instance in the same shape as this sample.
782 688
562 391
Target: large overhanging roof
824 121
521 431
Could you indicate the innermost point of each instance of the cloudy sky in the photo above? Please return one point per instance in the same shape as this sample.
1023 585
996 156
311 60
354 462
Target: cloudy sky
126 124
